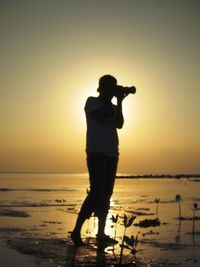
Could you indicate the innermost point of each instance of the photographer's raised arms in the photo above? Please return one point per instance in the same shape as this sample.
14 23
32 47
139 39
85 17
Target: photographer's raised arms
103 120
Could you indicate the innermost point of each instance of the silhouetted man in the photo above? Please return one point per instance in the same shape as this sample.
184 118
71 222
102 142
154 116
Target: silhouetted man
103 119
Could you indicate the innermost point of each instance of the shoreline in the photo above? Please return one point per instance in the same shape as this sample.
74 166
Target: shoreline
158 176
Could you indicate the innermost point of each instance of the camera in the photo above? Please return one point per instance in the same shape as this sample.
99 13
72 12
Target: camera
124 91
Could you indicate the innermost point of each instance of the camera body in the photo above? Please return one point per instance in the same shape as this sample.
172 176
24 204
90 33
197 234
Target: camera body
124 91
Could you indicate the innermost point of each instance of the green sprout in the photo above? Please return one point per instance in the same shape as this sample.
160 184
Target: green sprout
178 199
132 243
127 223
114 219
157 201
194 208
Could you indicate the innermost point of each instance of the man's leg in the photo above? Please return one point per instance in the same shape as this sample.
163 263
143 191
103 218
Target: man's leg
111 169
92 203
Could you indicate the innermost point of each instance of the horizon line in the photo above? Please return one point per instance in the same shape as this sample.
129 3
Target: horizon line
177 175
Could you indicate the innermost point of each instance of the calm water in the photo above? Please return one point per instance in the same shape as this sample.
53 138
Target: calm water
53 200
43 188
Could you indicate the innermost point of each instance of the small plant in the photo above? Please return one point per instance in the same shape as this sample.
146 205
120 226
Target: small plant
132 243
178 236
178 199
127 223
194 208
114 219
157 201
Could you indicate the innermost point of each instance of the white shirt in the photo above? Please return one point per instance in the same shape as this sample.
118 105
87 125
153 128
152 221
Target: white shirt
101 134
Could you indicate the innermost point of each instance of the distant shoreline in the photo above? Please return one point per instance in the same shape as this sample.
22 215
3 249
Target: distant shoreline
156 176
121 176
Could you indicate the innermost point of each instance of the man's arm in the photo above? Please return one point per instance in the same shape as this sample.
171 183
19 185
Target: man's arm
102 113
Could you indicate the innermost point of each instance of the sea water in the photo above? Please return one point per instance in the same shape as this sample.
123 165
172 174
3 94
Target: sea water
46 205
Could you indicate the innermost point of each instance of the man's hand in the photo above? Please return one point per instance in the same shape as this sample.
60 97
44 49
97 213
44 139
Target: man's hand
120 98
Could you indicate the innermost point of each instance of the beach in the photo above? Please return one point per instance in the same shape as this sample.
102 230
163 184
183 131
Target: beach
11 258
38 211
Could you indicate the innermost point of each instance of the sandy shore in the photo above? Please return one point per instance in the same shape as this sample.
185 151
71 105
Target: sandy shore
10 257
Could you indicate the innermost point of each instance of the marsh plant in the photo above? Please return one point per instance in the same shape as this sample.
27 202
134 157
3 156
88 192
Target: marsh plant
194 208
157 201
178 199
131 242
114 219
178 236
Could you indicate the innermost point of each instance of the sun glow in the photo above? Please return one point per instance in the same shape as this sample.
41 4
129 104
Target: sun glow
129 110
81 95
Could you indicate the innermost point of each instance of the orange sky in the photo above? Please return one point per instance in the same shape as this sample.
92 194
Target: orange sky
52 55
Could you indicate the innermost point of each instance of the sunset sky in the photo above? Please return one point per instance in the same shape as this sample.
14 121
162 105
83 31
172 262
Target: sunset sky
52 54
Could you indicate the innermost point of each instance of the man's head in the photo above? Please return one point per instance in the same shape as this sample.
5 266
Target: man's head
107 85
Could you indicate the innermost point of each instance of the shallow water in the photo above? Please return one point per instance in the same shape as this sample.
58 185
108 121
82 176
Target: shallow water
42 207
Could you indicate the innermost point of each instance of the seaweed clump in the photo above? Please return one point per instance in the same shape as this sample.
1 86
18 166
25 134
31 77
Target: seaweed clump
148 223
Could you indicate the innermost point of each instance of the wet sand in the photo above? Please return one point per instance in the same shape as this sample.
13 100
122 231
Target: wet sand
10 257
36 220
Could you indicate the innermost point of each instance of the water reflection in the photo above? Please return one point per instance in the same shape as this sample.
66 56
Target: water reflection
92 254
178 236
